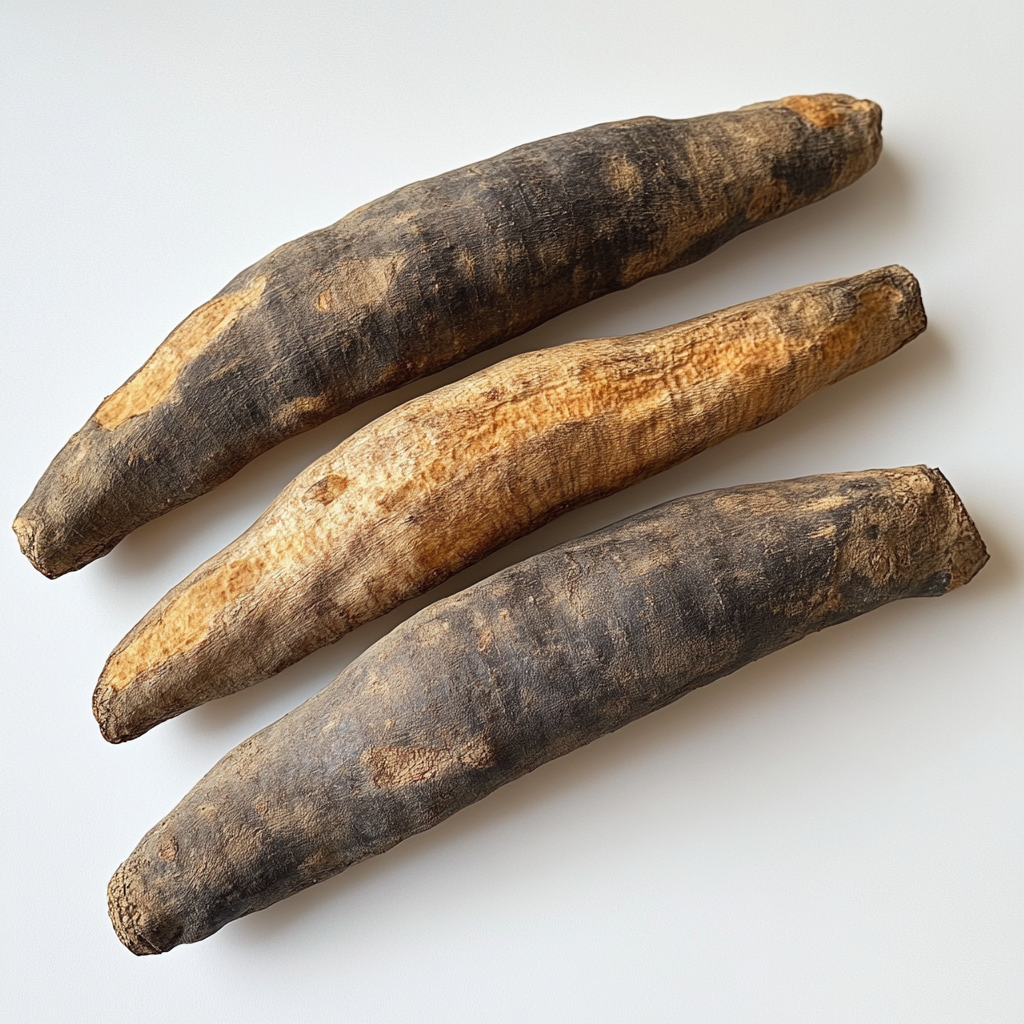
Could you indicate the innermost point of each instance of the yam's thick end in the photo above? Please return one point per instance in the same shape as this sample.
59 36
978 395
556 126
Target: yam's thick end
136 930
967 551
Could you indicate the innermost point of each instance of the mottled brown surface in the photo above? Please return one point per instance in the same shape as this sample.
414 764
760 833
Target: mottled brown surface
443 480
539 659
423 278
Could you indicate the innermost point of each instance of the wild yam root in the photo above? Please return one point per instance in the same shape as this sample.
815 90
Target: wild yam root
423 278
535 661
443 480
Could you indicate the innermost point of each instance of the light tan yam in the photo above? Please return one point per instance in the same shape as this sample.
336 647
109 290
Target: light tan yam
443 480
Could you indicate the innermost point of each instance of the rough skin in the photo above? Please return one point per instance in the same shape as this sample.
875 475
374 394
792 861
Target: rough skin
439 482
527 665
423 278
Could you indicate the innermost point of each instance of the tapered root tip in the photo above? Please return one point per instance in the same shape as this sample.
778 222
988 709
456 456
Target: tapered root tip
128 922
113 727
27 532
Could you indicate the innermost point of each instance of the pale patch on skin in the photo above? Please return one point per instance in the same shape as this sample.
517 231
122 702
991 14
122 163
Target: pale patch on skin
824 110
437 483
155 381
25 531
397 767
183 625
364 282
827 503
769 200
313 409
624 174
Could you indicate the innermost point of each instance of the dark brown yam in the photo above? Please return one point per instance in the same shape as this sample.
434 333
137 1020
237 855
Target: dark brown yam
527 665
423 278
441 481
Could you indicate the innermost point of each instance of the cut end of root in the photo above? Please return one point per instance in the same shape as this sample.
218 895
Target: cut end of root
912 312
967 550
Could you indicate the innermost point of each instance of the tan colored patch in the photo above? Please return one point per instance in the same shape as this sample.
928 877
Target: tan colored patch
25 530
624 174
184 624
305 411
326 490
822 111
168 849
154 382
827 503
823 531
362 283
771 198
397 767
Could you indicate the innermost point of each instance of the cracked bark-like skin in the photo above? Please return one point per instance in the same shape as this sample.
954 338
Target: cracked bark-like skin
535 661
443 480
423 278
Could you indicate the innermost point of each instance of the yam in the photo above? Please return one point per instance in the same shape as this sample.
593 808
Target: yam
423 278
443 480
539 659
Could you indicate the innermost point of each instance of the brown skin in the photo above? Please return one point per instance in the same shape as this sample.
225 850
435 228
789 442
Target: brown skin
439 482
541 658
423 278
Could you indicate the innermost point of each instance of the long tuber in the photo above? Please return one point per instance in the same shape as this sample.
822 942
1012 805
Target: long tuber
423 278
529 664
443 480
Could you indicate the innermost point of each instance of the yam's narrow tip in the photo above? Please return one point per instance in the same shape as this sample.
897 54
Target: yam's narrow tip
28 534
125 917
113 728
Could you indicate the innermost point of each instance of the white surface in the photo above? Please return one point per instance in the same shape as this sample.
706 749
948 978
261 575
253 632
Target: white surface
832 834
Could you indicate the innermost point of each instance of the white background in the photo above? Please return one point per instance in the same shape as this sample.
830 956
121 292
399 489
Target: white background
833 834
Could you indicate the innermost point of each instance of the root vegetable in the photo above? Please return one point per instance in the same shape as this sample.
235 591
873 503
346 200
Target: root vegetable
443 480
541 658
423 278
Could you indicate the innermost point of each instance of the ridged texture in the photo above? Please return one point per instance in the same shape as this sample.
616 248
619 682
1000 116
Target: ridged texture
443 480
539 659
423 278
